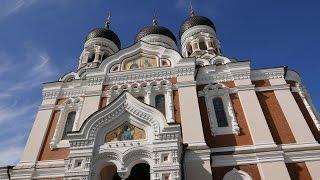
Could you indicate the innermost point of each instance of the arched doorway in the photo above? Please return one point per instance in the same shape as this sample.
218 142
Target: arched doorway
140 171
109 172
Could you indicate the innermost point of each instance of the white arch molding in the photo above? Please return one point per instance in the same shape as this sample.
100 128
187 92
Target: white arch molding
88 146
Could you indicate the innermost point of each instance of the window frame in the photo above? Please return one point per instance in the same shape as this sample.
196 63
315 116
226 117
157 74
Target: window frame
220 91
70 105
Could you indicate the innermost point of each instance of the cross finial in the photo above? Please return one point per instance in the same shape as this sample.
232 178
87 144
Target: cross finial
192 13
154 20
108 21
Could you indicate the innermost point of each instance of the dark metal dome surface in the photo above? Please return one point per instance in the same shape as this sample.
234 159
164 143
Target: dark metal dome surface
195 21
155 29
104 33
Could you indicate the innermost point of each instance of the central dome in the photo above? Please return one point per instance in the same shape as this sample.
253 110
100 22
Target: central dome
195 21
104 33
155 29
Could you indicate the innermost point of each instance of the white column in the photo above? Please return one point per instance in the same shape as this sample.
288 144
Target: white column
308 103
169 106
197 165
273 171
38 133
256 121
147 97
291 111
313 168
192 131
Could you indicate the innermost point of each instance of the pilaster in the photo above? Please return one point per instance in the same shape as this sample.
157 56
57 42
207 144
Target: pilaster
256 121
290 108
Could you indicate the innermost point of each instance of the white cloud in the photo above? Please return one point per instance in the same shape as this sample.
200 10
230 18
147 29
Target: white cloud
8 7
11 150
17 103
10 155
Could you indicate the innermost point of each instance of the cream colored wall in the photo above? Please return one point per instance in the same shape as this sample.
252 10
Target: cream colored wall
313 168
192 131
256 121
90 105
198 170
296 121
273 171
37 134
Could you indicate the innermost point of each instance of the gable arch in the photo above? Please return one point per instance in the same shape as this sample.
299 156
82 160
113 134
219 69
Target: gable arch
125 103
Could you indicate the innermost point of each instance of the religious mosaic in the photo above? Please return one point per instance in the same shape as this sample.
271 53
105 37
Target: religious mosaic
125 132
141 63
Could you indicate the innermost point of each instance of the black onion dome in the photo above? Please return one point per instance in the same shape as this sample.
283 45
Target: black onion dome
195 21
104 33
155 29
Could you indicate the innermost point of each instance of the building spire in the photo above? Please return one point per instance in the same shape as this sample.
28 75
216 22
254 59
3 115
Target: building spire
154 20
108 21
192 13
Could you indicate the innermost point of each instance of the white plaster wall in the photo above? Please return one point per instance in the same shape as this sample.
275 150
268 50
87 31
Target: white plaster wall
290 108
314 169
256 121
273 171
190 115
90 105
37 136
198 170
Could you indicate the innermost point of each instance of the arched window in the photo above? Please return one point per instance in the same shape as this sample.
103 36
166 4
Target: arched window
91 58
220 113
202 45
160 103
69 124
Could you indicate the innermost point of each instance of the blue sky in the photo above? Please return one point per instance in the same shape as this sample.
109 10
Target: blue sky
40 40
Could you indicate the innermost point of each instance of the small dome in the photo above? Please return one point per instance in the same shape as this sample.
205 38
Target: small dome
155 29
104 33
195 21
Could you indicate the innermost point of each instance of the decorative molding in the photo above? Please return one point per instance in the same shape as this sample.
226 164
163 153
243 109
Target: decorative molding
262 74
71 104
219 90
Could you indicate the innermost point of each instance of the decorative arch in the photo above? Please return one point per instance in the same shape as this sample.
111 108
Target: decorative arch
125 103
237 174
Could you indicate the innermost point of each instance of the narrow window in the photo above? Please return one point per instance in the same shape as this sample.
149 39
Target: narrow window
220 113
202 45
69 124
160 103
91 58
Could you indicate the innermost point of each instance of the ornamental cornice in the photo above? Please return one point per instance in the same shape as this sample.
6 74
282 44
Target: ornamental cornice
95 80
50 94
261 74
147 75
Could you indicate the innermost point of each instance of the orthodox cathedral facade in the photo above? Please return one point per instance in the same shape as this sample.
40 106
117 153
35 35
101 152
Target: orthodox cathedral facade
151 111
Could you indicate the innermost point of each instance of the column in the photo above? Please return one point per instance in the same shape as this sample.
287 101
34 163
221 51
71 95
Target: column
313 168
256 121
191 124
169 106
273 170
147 97
38 132
291 111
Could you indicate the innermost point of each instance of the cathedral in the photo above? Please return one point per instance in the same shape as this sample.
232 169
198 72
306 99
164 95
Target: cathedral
168 108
